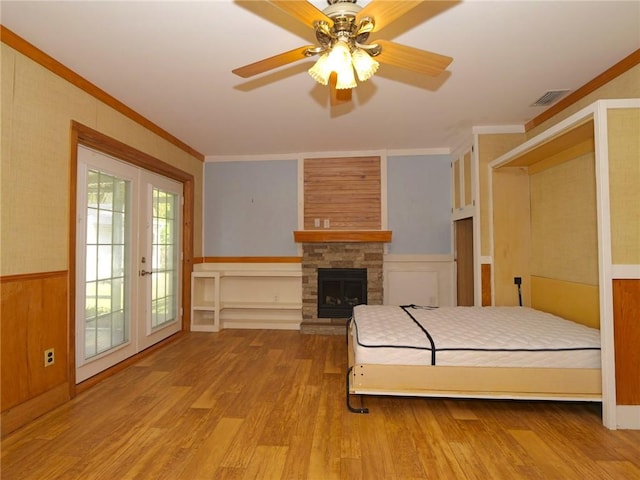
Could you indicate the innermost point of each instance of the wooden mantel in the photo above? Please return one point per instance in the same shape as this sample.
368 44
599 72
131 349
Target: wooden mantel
342 236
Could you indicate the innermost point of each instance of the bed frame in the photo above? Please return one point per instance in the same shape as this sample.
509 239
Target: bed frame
568 384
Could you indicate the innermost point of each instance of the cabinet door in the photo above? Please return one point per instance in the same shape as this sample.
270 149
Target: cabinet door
462 175
457 181
464 262
467 196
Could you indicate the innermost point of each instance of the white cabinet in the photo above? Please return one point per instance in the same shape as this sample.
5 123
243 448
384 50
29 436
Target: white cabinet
205 301
463 177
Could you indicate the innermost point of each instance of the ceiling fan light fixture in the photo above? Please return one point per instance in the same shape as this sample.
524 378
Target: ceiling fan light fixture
346 79
342 32
320 71
338 60
339 57
364 64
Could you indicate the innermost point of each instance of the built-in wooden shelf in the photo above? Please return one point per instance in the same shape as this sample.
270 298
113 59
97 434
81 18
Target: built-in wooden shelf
567 145
341 236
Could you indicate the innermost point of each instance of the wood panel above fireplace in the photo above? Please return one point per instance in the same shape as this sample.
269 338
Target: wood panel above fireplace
342 193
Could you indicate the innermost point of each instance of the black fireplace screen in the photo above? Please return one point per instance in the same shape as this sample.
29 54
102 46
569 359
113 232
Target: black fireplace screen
339 290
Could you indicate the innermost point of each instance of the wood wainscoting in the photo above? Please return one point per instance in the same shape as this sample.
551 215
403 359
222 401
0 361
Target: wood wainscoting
485 279
463 231
626 326
34 319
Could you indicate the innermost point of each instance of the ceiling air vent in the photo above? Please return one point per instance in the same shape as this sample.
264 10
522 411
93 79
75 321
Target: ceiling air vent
549 98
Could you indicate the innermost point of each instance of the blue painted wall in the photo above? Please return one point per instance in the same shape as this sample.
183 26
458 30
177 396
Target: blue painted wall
250 207
419 204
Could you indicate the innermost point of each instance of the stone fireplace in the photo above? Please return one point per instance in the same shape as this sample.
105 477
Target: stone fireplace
347 255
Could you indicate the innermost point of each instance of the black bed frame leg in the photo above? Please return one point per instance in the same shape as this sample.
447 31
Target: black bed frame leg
349 406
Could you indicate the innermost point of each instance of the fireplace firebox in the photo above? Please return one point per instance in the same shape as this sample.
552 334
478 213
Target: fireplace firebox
339 290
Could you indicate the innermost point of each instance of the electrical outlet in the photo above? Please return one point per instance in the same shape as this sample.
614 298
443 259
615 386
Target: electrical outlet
49 357
316 222
517 280
326 223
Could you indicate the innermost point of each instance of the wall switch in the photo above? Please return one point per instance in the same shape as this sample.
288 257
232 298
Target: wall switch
49 357
316 222
326 223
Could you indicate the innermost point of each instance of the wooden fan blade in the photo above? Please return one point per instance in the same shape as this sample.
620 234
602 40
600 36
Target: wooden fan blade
414 59
386 12
272 62
336 96
302 11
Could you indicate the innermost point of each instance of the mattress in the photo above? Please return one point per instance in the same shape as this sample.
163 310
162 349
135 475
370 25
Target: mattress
471 336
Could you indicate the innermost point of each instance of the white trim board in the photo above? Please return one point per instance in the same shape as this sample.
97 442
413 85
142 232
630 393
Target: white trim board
625 272
628 417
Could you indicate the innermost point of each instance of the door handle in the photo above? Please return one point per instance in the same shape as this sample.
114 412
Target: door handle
144 272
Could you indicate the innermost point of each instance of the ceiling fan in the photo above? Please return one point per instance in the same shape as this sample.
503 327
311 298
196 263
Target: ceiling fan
342 30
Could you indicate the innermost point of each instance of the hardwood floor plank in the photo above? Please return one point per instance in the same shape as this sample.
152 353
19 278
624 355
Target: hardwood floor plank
24 458
248 437
350 441
432 446
377 452
351 468
300 447
172 464
469 461
623 469
406 465
241 404
59 467
324 461
136 456
229 473
208 456
542 455
266 463
460 411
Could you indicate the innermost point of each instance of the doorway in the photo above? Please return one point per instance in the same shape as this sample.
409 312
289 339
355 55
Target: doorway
128 258
463 231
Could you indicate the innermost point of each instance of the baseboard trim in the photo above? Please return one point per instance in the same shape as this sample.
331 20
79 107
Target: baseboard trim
628 417
258 325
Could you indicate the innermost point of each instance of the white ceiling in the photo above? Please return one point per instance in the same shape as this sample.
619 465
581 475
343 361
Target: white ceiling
172 62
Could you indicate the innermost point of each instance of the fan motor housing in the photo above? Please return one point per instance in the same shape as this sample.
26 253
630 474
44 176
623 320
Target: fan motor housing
343 14
342 9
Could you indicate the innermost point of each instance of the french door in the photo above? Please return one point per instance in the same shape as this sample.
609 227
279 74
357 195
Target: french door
128 260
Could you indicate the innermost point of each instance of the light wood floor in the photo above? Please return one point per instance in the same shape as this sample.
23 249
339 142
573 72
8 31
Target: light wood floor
250 404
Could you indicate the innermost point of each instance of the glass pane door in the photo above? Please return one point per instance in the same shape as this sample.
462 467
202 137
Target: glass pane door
106 281
107 313
165 250
160 262
128 261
